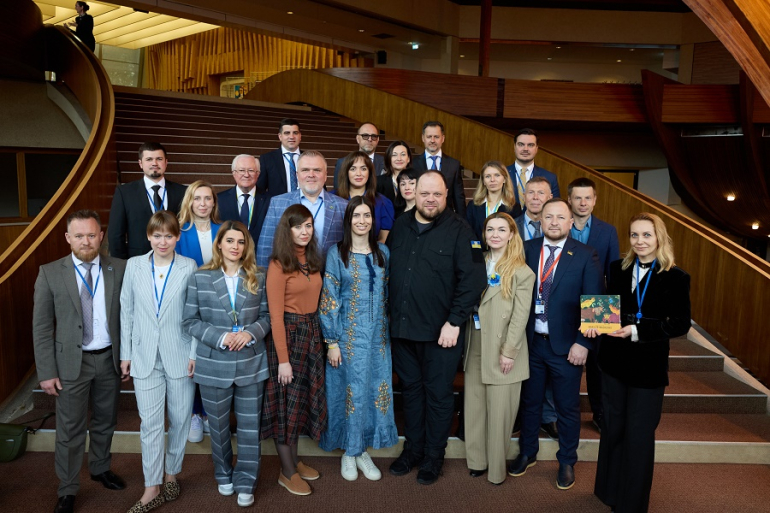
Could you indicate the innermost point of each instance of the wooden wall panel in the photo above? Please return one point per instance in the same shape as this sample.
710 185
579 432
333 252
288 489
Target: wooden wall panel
9 233
730 287
700 104
185 64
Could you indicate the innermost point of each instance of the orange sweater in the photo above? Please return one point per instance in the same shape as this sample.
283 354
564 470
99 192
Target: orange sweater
289 293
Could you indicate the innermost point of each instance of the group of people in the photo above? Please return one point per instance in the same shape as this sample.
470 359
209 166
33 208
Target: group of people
291 307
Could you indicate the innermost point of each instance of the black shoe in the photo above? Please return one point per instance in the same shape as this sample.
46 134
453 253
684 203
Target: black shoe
405 463
566 477
66 504
109 480
520 465
597 423
429 471
549 428
478 473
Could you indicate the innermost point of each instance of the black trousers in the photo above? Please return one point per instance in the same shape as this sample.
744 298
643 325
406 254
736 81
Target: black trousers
627 446
426 372
594 382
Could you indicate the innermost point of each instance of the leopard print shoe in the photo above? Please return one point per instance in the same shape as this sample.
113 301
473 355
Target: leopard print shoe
171 490
155 503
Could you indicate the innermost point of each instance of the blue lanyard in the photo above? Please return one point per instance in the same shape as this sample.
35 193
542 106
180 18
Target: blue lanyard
159 300
497 207
639 300
85 283
526 227
234 295
318 209
152 201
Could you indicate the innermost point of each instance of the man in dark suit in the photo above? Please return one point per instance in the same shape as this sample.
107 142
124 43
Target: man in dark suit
603 237
565 269
244 202
279 167
524 168
76 337
367 138
135 202
433 158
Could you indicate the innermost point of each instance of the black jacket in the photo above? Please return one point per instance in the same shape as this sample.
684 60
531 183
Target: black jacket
435 276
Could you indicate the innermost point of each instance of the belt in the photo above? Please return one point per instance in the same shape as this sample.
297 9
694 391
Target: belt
98 351
543 335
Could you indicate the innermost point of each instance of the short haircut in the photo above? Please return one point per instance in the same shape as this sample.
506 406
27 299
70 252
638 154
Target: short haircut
82 215
288 122
433 123
368 123
524 131
580 182
311 153
539 179
243 156
432 172
151 146
557 200
163 220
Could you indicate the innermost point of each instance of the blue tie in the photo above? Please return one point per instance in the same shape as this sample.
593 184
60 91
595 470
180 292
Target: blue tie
293 186
245 210
433 164
548 281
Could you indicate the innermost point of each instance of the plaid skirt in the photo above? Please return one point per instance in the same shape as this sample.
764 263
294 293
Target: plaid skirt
298 408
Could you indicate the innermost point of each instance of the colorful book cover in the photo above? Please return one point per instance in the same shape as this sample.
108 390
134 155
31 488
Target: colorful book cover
601 313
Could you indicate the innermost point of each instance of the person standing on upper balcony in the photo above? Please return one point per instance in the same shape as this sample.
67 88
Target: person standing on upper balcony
524 169
83 25
434 159
279 167
367 138
135 202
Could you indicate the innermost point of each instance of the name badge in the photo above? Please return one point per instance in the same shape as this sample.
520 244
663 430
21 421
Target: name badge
539 307
237 329
476 321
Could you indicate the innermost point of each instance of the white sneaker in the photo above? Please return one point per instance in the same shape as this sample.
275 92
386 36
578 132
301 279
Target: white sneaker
206 428
349 471
367 466
245 499
196 429
226 489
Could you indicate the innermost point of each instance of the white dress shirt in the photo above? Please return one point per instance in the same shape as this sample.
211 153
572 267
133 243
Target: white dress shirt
429 160
542 326
101 327
148 184
287 167
317 210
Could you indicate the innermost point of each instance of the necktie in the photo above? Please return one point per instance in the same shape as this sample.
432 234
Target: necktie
546 284
245 210
536 225
522 182
293 186
156 198
87 305
433 164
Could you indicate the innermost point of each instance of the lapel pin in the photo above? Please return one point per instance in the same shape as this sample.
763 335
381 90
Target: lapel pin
109 268
569 253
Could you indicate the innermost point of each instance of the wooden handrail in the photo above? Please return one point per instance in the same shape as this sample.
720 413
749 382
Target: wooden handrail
90 184
730 286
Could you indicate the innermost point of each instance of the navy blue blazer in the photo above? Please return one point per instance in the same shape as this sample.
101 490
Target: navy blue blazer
577 273
603 237
227 201
476 215
536 171
272 173
379 167
190 246
453 174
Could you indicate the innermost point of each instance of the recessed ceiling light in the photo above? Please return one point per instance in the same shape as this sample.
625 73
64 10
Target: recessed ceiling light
549 58
619 60
731 197
462 56
631 50
361 30
755 226
415 46
289 12
558 47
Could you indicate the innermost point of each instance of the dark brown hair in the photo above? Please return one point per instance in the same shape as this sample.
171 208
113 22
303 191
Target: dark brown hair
343 180
347 237
82 215
288 122
389 155
524 131
580 182
151 146
163 220
284 249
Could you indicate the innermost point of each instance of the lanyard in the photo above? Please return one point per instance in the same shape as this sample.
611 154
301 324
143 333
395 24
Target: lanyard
549 270
85 283
640 300
497 207
320 205
526 227
234 295
152 201
159 300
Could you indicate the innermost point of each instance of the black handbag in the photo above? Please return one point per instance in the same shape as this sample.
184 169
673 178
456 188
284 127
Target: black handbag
13 438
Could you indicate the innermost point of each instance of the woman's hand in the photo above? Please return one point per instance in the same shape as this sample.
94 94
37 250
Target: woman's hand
623 332
335 357
237 341
506 364
190 368
285 375
591 333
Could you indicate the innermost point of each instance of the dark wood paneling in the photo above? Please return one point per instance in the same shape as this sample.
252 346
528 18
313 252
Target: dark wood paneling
700 104
21 41
9 233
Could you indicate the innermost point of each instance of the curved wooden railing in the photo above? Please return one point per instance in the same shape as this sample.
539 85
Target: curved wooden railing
730 287
90 184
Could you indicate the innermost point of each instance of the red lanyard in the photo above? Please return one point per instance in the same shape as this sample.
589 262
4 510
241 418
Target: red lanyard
549 270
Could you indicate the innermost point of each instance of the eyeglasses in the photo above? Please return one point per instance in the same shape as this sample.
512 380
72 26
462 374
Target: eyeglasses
245 171
366 137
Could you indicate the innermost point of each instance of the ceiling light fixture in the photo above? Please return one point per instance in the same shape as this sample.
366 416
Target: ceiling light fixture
549 58
289 12
619 60
361 30
731 197
755 226
462 56
415 46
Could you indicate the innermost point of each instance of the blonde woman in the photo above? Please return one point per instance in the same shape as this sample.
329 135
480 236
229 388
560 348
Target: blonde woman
496 355
494 193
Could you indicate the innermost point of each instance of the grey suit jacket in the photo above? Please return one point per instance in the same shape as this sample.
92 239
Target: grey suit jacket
143 334
207 318
57 318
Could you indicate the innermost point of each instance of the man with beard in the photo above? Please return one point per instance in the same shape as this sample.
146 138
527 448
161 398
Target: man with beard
135 202
367 138
524 169
437 276
76 336
434 159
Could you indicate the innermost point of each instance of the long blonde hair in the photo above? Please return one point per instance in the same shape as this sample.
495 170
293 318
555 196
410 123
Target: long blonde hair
480 194
513 256
665 251
185 211
248 259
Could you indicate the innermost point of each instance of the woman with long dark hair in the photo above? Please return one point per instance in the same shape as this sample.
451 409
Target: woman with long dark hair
83 25
354 321
357 178
397 158
295 401
654 308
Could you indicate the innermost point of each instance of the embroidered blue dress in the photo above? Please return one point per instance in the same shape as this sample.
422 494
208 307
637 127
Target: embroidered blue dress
359 393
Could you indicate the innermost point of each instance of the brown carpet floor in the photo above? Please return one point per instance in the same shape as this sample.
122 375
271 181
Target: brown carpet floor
29 485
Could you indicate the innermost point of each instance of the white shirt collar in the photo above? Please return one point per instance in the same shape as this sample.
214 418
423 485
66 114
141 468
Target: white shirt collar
148 184
320 196
528 169
251 193
428 155
284 150
559 244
